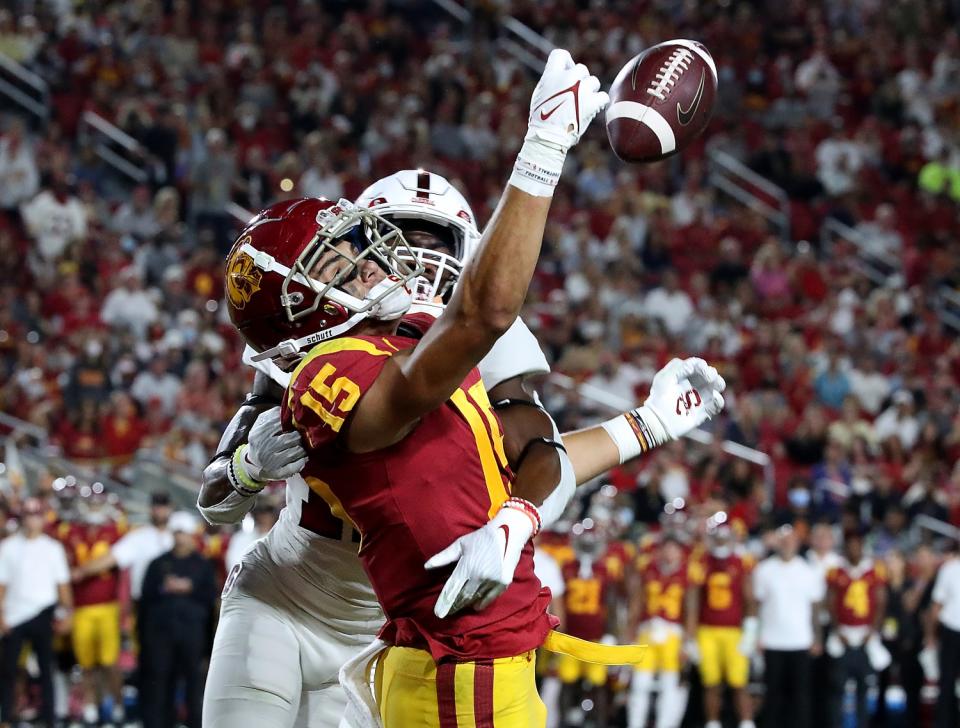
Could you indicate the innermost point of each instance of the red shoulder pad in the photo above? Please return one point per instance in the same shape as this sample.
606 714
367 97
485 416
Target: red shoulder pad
328 383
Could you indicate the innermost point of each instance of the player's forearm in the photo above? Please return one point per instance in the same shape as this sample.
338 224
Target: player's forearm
692 612
881 609
592 452
218 501
493 285
817 626
97 565
487 300
65 596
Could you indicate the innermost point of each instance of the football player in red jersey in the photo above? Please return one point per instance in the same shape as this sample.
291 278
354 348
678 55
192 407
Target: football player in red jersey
96 619
856 598
252 268
722 613
590 614
657 588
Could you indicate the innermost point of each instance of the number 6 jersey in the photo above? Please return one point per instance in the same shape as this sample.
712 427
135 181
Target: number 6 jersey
412 499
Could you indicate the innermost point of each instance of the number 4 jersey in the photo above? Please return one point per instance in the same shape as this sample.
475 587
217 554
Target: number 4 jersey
412 499
855 590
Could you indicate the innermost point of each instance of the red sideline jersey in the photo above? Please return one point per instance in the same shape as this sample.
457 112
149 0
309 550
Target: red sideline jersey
84 543
585 600
557 545
855 591
414 498
617 558
721 603
663 592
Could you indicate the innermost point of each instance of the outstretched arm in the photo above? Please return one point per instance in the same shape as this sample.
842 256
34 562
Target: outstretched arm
494 283
684 394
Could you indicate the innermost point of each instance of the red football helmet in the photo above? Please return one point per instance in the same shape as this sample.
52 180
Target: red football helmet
273 293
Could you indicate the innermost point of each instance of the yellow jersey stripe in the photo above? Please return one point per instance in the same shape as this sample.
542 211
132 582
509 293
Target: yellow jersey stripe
491 469
479 394
346 343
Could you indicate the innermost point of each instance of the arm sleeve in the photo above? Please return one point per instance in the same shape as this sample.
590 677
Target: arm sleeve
553 506
125 550
819 588
516 353
327 385
61 568
4 566
759 588
230 510
939 593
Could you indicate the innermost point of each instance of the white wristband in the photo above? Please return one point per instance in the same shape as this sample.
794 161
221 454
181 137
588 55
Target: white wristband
636 432
538 167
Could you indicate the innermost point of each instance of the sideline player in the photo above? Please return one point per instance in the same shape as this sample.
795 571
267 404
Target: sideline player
657 594
721 611
589 614
345 639
857 600
96 617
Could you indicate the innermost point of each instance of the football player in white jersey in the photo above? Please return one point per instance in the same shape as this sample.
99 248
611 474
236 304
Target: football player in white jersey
299 605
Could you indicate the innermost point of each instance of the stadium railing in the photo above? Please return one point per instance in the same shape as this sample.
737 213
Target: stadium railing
876 265
612 404
115 147
28 455
24 88
750 189
526 45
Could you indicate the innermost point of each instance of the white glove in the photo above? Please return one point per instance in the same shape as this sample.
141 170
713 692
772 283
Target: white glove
485 558
692 650
684 394
270 453
930 663
565 101
748 640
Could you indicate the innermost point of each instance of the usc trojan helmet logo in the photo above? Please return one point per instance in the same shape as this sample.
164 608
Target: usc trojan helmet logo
243 278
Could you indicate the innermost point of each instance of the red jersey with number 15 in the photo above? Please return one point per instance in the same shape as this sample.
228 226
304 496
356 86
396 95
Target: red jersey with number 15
414 498
722 580
855 591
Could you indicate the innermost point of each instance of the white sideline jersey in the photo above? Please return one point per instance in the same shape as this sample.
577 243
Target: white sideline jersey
294 568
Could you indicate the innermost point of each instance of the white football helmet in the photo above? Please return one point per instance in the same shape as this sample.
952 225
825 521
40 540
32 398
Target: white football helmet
418 201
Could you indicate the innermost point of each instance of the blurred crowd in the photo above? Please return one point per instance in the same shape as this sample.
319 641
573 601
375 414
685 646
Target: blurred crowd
113 336
119 617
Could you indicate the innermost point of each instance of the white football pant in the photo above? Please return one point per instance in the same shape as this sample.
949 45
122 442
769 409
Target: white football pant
269 670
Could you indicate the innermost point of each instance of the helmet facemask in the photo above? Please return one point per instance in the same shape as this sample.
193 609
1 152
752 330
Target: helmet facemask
303 293
438 249
373 239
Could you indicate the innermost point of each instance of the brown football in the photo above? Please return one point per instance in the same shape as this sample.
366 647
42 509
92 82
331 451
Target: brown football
661 101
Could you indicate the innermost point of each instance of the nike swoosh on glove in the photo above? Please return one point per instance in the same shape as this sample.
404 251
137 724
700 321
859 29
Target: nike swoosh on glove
485 561
271 453
565 101
684 394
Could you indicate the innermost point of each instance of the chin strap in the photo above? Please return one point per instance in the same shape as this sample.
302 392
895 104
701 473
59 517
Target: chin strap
395 303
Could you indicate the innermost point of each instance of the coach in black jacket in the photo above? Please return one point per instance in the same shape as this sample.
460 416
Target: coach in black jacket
177 602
